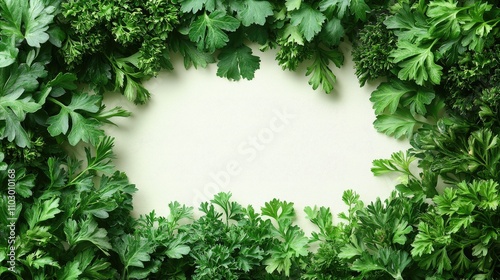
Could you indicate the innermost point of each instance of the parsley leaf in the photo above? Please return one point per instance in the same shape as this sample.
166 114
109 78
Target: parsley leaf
399 124
308 20
86 129
15 103
389 95
26 20
208 30
36 22
443 19
8 51
194 6
86 231
252 11
416 63
237 62
320 72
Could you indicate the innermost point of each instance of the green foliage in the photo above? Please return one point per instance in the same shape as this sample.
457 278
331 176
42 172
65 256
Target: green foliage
458 237
72 216
470 87
371 49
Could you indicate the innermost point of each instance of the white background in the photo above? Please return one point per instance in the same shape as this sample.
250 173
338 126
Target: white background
196 124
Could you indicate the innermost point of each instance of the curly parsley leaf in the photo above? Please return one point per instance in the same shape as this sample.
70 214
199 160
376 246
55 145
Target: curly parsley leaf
417 63
237 62
209 31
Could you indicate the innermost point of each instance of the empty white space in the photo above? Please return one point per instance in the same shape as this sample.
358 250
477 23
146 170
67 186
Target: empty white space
272 137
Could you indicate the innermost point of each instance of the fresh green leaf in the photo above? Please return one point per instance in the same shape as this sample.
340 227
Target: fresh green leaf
444 22
209 31
86 231
70 271
390 95
320 71
332 32
36 22
15 104
42 210
253 11
416 63
401 123
82 128
134 251
359 8
8 51
236 63
308 20
293 4
409 25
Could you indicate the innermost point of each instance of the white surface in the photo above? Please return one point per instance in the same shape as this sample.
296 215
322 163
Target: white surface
201 134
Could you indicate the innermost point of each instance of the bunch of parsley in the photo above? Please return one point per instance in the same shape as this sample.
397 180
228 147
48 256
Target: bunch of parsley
72 216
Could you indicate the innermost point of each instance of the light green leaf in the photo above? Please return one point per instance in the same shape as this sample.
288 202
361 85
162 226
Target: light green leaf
308 20
82 128
11 20
292 4
444 22
417 63
193 6
15 81
253 11
399 124
389 95
8 51
36 22
337 7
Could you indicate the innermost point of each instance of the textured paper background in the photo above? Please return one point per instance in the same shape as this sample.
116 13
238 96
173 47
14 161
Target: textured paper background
201 134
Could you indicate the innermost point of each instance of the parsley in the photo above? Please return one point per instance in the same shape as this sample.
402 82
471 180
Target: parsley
438 60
